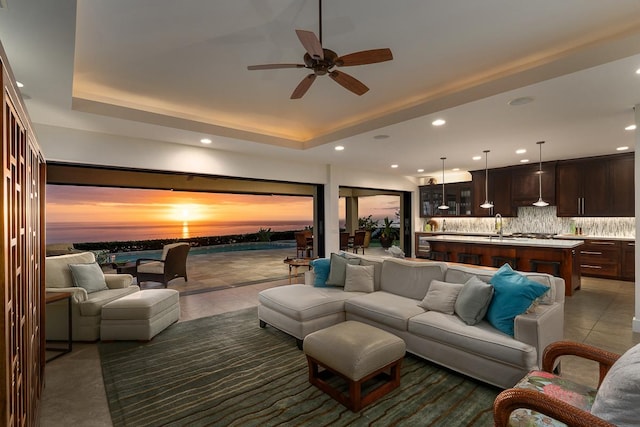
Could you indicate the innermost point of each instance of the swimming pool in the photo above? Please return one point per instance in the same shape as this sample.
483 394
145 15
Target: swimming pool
202 250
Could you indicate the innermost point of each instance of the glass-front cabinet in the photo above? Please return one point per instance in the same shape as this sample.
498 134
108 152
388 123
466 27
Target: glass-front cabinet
457 196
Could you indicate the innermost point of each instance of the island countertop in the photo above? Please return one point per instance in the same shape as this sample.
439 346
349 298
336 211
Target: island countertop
505 241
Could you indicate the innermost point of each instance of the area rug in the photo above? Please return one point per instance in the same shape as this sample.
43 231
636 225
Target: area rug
226 371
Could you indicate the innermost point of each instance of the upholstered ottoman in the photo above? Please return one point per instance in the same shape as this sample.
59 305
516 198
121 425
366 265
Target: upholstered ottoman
139 316
356 352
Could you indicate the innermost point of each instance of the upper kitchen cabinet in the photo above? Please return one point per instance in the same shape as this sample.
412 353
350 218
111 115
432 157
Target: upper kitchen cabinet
499 189
458 197
596 186
525 184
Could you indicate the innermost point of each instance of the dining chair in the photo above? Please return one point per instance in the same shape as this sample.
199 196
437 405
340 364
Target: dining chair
358 241
344 240
304 244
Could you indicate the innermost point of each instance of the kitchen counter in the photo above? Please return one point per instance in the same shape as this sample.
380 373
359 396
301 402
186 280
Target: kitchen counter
592 237
507 241
559 257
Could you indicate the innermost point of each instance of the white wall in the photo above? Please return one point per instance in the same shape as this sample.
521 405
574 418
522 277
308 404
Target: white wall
82 147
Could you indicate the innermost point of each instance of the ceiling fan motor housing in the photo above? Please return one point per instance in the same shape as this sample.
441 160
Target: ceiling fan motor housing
321 66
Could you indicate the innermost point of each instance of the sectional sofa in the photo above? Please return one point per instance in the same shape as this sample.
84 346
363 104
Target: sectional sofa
396 303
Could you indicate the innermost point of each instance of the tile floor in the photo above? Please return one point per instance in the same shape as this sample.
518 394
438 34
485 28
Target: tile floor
599 314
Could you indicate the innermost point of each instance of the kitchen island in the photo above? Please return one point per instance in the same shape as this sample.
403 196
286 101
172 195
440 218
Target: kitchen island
557 257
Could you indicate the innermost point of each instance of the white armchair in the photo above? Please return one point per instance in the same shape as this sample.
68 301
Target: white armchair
86 308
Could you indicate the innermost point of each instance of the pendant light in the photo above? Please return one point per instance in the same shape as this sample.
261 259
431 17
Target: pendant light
444 205
487 204
540 202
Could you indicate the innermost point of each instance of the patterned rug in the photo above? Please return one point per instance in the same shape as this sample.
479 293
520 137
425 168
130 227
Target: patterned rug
226 371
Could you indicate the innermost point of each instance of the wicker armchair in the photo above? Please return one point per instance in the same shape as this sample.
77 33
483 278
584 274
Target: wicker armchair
515 398
173 264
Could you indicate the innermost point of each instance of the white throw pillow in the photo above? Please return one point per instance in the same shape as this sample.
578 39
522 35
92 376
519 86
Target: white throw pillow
359 278
441 296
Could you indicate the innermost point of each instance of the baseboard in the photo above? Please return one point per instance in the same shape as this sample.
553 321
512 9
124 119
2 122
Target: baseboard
635 325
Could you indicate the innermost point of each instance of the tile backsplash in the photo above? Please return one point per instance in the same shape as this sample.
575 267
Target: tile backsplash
543 220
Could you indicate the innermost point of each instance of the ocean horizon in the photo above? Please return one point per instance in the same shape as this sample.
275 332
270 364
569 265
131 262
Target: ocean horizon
88 232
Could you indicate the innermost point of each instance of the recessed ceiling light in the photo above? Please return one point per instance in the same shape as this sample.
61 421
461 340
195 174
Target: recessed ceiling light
524 160
520 101
623 148
455 169
521 151
438 122
476 157
19 84
630 127
381 137
638 71
420 170
339 148
394 166
205 141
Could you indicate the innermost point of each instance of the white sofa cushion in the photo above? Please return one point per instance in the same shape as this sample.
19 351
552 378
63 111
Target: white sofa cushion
482 338
359 278
410 279
441 296
57 272
302 302
93 305
385 308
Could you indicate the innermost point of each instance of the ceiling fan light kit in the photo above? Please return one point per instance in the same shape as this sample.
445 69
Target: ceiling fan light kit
323 61
540 203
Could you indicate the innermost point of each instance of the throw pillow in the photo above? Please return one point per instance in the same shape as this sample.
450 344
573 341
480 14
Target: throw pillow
88 276
377 271
338 269
513 294
617 397
321 270
441 296
473 301
359 278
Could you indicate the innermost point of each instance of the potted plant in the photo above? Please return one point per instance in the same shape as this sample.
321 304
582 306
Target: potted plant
368 225
388 234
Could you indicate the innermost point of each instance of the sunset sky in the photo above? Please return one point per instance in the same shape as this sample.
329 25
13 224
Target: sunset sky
123 205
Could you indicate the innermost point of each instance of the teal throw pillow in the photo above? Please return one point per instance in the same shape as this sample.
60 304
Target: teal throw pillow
513 294
321 270
338 269
88 276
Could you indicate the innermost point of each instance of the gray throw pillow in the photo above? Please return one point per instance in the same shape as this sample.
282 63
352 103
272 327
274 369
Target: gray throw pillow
88 276
441 296
617 397
338 269
473 301
359 278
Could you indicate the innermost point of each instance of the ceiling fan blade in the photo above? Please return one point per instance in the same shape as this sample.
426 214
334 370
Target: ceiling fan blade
364 57
274 66
349 83
311 43
303 86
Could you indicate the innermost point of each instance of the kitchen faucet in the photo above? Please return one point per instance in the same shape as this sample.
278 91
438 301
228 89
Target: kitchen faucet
498 225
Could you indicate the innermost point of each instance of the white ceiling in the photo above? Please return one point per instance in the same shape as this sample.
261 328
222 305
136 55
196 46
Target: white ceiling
176 71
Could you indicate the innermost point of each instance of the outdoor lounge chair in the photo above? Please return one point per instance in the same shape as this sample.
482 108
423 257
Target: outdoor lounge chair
172 265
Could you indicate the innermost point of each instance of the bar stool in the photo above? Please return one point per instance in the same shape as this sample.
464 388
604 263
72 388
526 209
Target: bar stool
497 261
469 258
439 256
555 265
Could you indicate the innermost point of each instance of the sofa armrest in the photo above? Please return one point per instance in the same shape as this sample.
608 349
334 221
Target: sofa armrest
118 281
540 327
77 294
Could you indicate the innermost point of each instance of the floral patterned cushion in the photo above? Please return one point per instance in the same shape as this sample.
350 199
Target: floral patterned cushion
577 395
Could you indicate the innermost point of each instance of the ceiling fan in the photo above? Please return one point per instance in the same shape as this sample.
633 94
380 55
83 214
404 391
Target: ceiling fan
323 61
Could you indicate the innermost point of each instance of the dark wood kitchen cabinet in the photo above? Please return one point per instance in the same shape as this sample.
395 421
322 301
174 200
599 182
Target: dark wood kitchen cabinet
499 188
525 184
458 196
597 186
628 268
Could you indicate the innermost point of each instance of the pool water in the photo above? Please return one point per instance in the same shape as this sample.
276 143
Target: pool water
247 246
